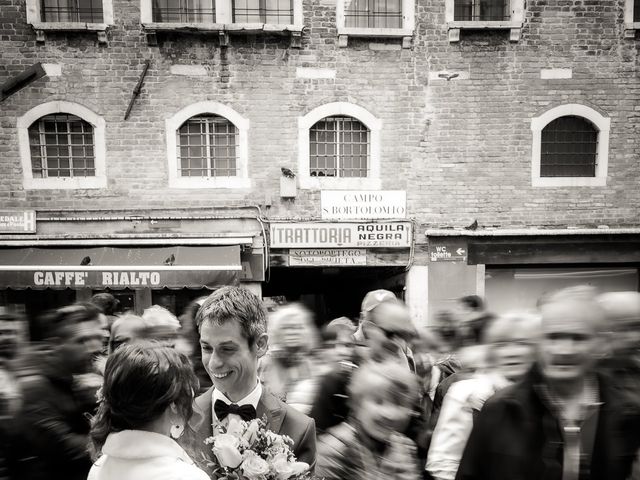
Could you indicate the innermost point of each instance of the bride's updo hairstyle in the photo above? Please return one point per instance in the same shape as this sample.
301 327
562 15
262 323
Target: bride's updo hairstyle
141 381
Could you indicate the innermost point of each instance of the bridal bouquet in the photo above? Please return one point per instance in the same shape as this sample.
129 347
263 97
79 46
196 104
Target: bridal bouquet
249 451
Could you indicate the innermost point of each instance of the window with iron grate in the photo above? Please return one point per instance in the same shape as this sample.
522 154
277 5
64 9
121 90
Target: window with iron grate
62 145
481 10
184 11
339 147
275 12
373 14
569 148
56 11
207 146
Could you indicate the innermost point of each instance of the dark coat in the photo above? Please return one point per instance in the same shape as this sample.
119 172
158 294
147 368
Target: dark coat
281 419
53 427
516 437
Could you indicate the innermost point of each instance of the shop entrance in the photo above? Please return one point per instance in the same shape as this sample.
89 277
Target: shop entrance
332 292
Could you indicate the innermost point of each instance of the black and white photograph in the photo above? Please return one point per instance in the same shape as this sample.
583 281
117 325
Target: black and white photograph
319 240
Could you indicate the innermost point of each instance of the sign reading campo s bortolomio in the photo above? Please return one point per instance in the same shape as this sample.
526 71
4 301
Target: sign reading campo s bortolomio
363 204
340 235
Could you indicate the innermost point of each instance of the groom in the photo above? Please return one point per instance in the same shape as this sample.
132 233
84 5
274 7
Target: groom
232 326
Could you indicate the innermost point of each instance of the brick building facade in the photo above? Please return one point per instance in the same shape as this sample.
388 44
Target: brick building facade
452 107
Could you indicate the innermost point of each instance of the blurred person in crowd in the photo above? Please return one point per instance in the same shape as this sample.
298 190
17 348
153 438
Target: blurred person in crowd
371 444
430 354
434 360
191 334
343 326
471 319
337 343
509 347
287 369
623 322
53 422
127 328
10 331
384 330
108 304
161 325
147 401
562 421
233 336
10 392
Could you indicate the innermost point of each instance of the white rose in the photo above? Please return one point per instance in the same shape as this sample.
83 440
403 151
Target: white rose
254 467
286 469
225 448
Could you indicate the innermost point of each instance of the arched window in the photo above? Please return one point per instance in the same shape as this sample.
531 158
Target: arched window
339 147
569 148
208 147
62 145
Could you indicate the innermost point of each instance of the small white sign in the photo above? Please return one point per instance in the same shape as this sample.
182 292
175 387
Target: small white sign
363 204
17 221
327 257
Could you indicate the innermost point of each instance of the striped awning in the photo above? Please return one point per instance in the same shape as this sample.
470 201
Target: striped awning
119 267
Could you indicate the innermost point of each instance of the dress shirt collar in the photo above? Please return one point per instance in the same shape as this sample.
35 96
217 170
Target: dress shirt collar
251 399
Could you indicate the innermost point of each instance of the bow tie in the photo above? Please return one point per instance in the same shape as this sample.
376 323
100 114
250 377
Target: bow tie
245 412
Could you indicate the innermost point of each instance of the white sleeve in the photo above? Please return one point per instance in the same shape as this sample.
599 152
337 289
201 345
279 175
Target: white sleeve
450 434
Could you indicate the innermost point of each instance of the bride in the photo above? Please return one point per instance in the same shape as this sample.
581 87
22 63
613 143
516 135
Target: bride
147 401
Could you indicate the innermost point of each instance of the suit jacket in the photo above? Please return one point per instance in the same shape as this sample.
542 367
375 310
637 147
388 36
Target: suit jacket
516 437
281 419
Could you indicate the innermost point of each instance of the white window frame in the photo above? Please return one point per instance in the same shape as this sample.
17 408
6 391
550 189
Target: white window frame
242 155
601 123
34 18
514 25
408 23
224 20
372 182
630 26
63 183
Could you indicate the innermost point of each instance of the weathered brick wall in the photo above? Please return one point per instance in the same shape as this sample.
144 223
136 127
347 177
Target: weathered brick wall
477 149
462 148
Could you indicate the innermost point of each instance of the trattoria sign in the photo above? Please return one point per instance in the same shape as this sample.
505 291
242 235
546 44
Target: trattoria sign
341 235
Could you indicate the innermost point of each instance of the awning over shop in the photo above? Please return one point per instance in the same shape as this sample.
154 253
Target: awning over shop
114 267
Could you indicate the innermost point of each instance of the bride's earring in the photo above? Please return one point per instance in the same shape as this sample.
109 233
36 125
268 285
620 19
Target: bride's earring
176 431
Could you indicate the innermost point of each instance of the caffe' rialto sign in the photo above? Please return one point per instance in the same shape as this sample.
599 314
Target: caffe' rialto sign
56 278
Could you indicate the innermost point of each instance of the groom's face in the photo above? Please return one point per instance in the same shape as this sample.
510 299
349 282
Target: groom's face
229 360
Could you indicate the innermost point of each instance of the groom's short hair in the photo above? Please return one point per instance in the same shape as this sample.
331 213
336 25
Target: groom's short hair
235 304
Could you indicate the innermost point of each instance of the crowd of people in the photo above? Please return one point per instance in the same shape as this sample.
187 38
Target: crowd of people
549 394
